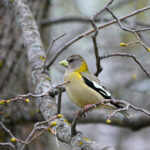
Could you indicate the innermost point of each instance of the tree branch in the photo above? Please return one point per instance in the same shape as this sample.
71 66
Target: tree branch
137 122
109 118
76 19
128 55
8 144
96 52
128 30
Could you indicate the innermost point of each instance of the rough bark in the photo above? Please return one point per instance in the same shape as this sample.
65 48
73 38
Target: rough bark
15 73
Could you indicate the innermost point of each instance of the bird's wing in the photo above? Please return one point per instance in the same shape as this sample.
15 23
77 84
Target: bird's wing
94 83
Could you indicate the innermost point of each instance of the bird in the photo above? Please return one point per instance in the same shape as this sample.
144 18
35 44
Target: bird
84 88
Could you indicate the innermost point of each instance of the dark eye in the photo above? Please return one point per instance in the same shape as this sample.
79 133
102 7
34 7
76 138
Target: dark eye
70 60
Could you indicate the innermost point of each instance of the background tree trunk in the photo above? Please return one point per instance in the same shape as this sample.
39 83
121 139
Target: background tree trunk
15 74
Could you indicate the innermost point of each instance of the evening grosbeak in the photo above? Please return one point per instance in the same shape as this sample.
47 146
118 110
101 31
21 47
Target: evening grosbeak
84 88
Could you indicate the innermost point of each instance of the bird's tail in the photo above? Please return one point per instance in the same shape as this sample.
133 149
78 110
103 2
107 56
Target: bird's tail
114 108
126 114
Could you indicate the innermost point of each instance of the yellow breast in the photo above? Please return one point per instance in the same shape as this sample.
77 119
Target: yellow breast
78 92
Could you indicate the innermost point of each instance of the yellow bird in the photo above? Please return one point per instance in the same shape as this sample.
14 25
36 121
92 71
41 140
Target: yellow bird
84 88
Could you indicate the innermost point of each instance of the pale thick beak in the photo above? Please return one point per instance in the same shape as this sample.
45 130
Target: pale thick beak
64 63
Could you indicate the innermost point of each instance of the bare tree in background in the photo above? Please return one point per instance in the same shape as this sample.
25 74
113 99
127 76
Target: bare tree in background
24 60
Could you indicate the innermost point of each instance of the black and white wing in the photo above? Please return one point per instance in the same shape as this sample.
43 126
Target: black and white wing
100 89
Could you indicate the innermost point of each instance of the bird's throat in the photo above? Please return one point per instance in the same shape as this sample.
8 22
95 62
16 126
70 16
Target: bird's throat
83 67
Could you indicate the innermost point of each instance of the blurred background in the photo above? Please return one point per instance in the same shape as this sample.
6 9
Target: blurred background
121 75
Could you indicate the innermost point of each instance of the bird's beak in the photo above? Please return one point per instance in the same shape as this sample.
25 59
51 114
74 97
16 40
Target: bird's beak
64 63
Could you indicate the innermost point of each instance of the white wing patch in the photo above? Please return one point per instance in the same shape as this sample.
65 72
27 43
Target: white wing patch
101 89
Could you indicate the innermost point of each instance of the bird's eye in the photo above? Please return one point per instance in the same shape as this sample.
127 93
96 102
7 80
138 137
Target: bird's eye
70 60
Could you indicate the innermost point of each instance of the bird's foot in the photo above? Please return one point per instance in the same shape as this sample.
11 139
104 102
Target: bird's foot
83 111
86 107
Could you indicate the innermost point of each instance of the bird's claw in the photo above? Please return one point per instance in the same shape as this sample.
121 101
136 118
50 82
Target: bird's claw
86 107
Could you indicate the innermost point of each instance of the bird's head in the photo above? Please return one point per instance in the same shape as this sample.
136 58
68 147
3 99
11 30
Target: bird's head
75 63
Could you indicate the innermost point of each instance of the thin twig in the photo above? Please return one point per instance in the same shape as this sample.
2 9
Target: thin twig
128 55
59 101
144 29
49 92
10 133
96 52
140 109
50 47
76 19
8 144
131 43
6 129
126 29
104 8
118 110
31 136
